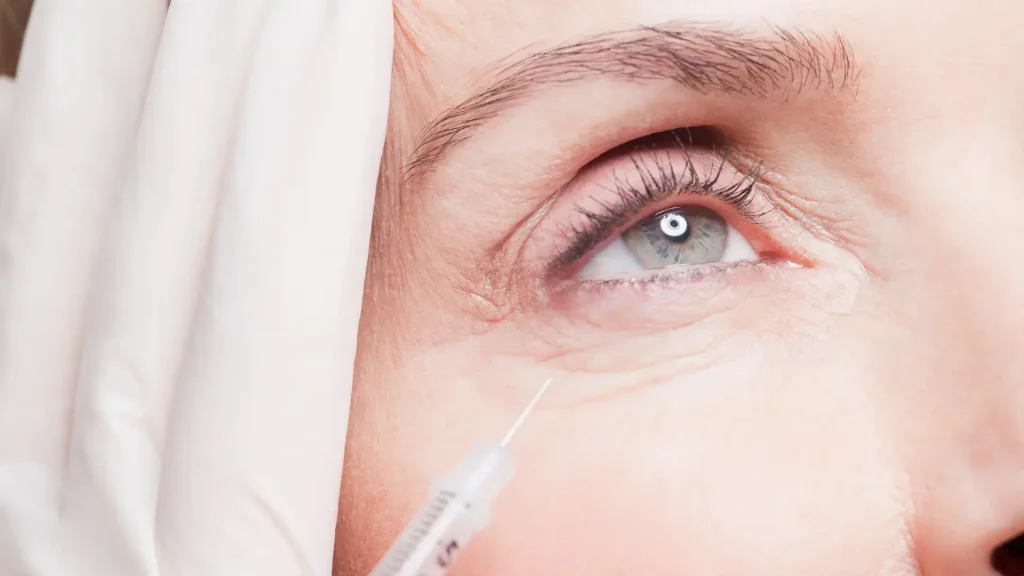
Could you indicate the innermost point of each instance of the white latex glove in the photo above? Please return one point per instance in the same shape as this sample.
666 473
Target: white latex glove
184 219
6 99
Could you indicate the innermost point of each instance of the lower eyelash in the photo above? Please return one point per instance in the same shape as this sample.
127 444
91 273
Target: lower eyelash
660 178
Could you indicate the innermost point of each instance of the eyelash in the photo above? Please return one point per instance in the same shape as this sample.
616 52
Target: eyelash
660 179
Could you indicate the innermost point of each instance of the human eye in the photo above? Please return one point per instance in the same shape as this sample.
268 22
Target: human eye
684 235
668 205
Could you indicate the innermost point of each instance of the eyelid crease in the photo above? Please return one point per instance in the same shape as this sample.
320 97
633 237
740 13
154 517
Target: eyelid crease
659 179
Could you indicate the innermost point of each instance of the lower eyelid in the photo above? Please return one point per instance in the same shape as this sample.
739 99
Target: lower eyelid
734 294
697 283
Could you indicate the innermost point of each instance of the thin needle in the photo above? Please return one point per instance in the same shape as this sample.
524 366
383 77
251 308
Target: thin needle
522 417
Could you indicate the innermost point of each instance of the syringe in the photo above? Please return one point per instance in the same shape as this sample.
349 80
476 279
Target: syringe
459 506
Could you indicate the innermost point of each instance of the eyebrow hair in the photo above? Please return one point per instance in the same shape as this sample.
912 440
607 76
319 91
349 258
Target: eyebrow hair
701 57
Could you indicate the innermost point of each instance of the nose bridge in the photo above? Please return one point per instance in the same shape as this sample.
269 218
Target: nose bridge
982 241
969 489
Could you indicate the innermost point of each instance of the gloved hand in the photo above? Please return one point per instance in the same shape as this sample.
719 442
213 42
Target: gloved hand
184 220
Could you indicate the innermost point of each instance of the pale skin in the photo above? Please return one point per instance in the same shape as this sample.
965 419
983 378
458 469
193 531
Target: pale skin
850 406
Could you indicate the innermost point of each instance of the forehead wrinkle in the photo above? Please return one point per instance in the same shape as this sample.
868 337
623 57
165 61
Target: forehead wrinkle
701 57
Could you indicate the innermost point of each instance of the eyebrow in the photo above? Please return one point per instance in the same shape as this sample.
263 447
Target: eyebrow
704 58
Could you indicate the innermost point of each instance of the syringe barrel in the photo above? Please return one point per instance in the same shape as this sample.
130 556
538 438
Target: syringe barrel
478 479
459 506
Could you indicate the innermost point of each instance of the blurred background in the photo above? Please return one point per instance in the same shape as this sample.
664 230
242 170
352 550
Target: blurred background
13 17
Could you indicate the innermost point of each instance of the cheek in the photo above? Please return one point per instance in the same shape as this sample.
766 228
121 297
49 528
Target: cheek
770 463
736 470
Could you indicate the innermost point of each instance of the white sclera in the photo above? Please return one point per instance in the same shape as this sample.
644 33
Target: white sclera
611 261
737 248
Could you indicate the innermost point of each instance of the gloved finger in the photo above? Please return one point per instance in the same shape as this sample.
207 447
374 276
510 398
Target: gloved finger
6 104
148 282
81 85
6 101
253 460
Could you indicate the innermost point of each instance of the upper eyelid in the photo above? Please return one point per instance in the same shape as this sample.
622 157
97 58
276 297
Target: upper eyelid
661 183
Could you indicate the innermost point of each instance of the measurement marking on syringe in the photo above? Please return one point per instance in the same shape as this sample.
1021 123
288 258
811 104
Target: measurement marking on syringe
419 530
